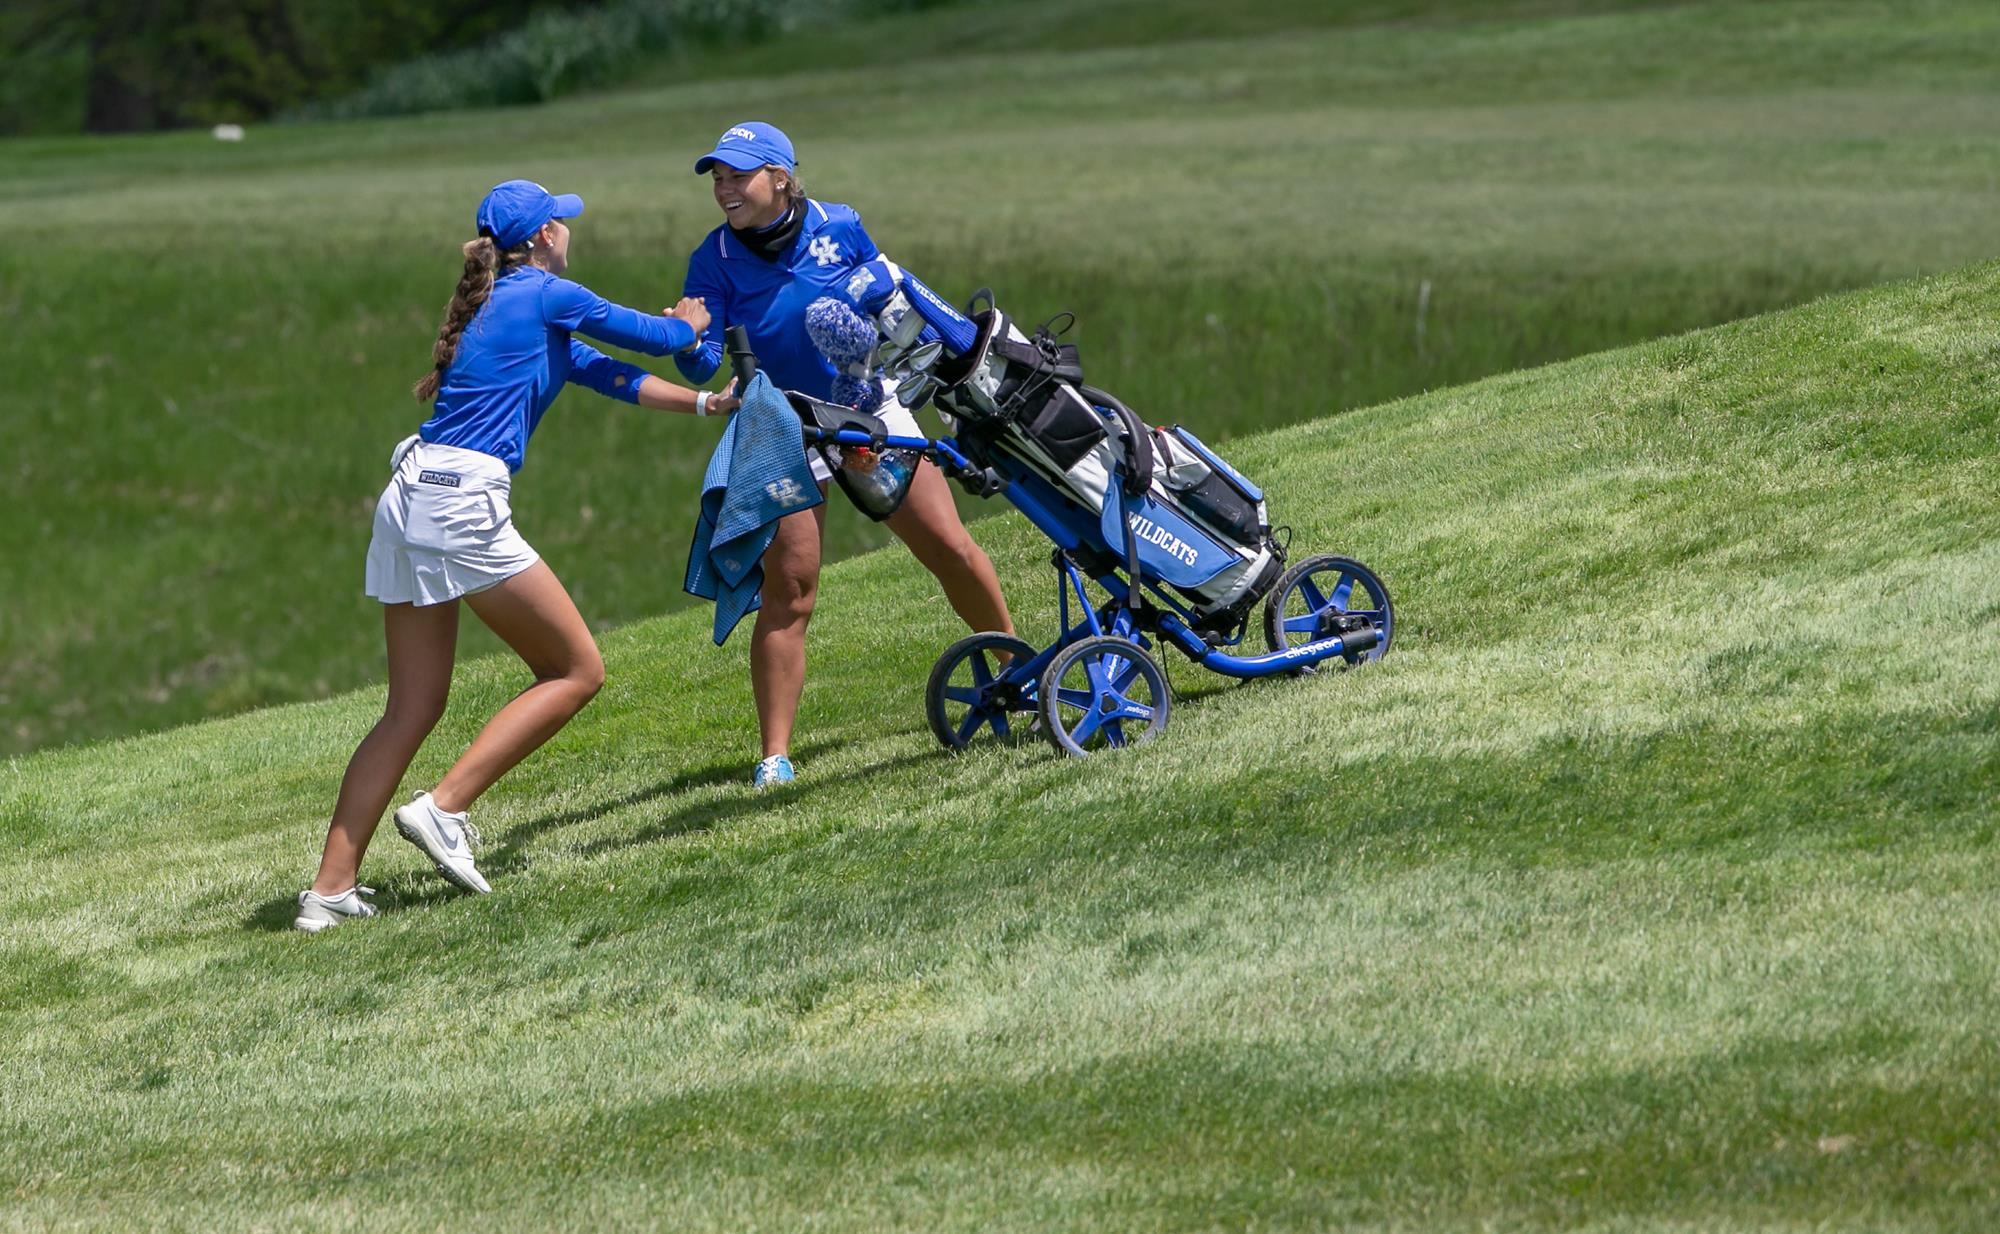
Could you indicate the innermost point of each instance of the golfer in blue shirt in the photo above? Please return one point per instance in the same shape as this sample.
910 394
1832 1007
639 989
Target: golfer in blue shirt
776 252
444 530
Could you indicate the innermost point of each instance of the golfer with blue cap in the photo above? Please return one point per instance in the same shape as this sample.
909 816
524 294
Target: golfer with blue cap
444 530
777 252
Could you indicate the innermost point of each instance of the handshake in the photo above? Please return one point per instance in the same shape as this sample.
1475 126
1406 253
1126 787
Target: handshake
694 311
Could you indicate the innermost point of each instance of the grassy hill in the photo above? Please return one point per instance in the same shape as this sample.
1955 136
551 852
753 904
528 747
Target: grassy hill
1258 220
1647 886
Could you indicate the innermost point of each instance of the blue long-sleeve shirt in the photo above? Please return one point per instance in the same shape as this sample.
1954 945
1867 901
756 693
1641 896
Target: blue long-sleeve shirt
517 352
769 298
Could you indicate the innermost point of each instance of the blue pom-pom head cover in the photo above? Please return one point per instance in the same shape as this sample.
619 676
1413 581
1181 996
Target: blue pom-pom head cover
860 393
847 339
841 334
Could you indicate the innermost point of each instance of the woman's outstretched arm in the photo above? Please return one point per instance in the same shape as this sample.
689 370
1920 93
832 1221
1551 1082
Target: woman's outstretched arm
666 396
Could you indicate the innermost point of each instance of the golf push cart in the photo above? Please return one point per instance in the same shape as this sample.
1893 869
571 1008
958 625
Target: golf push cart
1178 542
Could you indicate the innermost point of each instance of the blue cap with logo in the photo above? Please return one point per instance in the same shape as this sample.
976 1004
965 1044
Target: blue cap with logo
516 210
748 146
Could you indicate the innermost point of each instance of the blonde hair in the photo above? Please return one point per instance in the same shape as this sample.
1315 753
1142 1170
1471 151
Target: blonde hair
484 264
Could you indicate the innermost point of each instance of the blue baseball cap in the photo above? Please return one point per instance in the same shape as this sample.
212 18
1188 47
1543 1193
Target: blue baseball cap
517 209
748 146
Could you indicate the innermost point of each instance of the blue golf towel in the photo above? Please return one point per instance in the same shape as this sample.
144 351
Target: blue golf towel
758 474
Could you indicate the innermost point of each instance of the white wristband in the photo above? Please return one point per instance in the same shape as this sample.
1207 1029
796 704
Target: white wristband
701 398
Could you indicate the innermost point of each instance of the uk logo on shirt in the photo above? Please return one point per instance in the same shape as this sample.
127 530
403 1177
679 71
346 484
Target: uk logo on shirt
824 250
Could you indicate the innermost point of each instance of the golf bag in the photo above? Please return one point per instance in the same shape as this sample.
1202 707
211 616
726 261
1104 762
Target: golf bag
1018 405
1199 524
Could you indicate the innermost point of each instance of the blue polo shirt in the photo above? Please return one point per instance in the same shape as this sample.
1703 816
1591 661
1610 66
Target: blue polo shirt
517 352
769 298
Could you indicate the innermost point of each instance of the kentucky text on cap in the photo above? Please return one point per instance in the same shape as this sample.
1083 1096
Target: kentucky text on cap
748 146
517 209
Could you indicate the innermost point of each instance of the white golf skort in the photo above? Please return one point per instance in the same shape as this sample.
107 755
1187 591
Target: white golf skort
443 527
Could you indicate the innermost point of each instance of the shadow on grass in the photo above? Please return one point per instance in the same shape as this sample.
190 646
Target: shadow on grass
276 915
415 889
1205 685
508 854
706 815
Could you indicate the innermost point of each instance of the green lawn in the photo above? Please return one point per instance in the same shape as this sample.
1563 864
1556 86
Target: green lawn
1646 885
1259 220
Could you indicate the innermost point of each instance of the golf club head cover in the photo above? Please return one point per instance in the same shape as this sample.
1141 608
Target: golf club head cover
860 393
847 339
954 327
874 284
842 335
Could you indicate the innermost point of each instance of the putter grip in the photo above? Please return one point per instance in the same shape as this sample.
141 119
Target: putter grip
743 361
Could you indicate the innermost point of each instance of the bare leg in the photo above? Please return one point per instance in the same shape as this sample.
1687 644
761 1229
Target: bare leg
930 525
422 643
778 641
534 615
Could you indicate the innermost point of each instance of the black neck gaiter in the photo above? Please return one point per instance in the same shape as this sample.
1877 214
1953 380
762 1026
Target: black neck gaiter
774 241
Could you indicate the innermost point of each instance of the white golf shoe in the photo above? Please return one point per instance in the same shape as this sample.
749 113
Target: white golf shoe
447 839
318 912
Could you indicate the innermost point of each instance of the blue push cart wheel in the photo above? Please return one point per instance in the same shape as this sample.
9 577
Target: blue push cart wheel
1325 596
970 689
1102 691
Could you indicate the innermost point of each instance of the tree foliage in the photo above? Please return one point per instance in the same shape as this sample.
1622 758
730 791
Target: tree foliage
109 66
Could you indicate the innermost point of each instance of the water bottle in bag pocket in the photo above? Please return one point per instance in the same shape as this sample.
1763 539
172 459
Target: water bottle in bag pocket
878 491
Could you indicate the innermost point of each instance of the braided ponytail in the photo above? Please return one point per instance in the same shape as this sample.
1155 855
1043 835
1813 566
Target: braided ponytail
484 264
